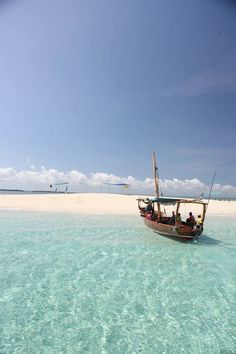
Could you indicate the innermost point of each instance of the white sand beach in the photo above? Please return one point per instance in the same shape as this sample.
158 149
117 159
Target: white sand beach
94 203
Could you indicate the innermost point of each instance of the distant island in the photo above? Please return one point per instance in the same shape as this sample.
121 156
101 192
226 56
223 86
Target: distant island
4 190
12 190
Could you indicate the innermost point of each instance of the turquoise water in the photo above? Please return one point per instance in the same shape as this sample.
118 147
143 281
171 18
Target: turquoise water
103 284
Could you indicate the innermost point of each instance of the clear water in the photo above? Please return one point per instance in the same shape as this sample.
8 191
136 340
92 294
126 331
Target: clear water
103 284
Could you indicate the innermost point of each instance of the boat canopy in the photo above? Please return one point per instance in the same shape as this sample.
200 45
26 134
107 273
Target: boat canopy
162 200
171 201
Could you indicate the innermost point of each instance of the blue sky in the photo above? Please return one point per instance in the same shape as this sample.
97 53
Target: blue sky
96 86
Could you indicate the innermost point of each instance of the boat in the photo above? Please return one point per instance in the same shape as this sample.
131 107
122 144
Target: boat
153 212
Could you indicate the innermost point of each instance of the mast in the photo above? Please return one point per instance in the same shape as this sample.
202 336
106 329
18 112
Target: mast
156 178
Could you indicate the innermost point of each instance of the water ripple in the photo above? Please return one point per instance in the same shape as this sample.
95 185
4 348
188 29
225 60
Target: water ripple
107 284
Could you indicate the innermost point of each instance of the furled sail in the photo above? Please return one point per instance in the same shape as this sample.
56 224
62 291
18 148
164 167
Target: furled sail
155 174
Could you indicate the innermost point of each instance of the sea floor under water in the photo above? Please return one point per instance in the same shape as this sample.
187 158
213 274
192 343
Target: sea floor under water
108 284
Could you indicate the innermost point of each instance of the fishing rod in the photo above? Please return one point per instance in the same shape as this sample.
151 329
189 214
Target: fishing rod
209 196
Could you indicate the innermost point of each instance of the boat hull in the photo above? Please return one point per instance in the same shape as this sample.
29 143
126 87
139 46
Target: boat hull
181 233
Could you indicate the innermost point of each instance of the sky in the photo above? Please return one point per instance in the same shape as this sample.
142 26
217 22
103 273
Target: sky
90 88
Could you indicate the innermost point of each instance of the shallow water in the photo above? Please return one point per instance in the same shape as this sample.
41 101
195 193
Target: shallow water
107 284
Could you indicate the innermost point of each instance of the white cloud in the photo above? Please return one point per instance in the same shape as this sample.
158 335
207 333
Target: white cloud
100 182
7 173
184 187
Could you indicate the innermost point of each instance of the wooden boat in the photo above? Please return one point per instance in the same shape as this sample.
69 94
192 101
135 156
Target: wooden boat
153 213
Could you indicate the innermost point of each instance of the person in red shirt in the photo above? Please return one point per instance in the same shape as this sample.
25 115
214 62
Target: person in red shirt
191 220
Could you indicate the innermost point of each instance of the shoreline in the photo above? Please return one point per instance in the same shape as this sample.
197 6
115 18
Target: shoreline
95 203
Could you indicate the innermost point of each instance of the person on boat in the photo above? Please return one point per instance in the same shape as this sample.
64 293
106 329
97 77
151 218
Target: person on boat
191 220
172 219
149 207
159 216
178 219
199 222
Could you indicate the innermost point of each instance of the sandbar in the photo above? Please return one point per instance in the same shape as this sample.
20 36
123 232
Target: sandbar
95 203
